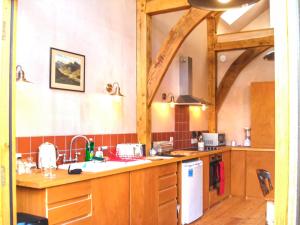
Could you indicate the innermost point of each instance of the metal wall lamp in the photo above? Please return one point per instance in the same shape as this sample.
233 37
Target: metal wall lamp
220 5
169 98
114 89
20 76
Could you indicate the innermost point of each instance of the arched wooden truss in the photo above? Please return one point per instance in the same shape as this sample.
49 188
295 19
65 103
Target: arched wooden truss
150 75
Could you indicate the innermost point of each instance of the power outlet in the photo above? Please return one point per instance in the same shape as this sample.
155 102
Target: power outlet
171 139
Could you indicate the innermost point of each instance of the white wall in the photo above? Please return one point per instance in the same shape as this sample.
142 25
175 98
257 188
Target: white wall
103 31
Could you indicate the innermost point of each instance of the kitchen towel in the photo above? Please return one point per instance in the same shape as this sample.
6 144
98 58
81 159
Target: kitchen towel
222 178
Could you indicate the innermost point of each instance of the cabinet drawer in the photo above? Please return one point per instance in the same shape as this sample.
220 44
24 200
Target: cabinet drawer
167 195
168 213
167 169
167 181
69 212
68 191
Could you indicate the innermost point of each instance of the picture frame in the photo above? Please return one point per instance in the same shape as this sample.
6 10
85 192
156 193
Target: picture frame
67 70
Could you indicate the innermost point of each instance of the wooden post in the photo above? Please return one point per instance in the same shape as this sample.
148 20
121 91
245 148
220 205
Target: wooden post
143 55
212 72
7 113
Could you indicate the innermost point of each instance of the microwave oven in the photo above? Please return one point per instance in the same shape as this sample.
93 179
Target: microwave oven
214 139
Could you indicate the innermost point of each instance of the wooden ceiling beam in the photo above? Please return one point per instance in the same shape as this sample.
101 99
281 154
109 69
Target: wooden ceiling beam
170 47
154 7
246 43
233 72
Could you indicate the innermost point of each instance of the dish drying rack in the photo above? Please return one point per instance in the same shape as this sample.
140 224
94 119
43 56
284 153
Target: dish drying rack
129 154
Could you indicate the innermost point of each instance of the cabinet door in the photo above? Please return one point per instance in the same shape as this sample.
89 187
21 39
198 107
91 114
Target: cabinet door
144 197
263 114
111 200
238 173
205 182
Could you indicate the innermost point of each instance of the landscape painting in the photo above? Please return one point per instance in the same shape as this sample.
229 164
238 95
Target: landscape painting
67 70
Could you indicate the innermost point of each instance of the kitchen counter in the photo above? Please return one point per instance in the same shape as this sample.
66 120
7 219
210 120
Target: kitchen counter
242 148
38 181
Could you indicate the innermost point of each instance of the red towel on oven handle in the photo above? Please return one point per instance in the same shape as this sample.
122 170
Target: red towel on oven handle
222 178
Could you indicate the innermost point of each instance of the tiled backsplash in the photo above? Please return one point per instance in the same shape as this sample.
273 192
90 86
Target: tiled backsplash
28 146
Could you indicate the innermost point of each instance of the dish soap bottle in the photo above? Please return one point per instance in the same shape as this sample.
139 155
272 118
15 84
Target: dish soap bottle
89 150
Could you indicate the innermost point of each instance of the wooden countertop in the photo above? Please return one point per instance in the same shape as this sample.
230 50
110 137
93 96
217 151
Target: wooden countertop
37 180
242 148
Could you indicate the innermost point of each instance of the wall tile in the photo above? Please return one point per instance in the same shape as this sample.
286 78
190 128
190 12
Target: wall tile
23 145
35 143
60 142
49 139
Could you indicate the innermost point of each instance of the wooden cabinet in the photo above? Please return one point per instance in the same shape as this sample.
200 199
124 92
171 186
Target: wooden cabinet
167 186
263 114
259 160
153 195
244 181
214 197
111 200
205 161
238 173
70 203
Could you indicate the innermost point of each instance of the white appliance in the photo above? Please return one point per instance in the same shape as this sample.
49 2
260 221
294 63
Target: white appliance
192 191
47 156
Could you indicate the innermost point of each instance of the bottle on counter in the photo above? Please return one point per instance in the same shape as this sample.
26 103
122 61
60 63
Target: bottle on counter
89 150
200 143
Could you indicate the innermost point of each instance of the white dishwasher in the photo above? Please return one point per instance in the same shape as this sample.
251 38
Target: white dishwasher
192 191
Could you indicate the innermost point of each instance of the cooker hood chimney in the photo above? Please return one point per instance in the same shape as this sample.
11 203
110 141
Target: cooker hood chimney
186 83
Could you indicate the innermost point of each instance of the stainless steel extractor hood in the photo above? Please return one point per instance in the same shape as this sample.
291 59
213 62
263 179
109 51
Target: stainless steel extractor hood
186 83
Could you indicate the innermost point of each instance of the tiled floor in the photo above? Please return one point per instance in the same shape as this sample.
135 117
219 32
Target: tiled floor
235 211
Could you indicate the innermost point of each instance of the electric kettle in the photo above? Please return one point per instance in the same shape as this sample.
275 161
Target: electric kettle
47 156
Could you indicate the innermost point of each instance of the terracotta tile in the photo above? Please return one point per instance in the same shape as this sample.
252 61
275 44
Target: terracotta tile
23 144
49 139
106 140
134 138
34 157
68 141
60 142
98 140
35 143
127 138
154 136
114 140
121 139
80 143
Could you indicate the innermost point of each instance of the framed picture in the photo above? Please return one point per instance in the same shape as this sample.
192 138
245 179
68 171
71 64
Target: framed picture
67 70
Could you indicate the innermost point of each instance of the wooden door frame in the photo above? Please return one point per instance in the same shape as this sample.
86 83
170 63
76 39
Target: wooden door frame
7 113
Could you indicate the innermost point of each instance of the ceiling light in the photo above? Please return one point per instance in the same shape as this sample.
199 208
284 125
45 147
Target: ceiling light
220 5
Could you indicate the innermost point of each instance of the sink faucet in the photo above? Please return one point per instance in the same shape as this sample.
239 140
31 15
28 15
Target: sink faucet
76 153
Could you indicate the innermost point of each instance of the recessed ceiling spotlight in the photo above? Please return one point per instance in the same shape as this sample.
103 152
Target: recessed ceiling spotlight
220 5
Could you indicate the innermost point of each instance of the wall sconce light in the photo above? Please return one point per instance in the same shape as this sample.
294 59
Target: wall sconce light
114 89
171 98
20 76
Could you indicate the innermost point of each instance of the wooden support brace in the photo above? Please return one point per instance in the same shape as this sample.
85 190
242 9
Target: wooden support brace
171 45
143 127
212 72
233 72
247 43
